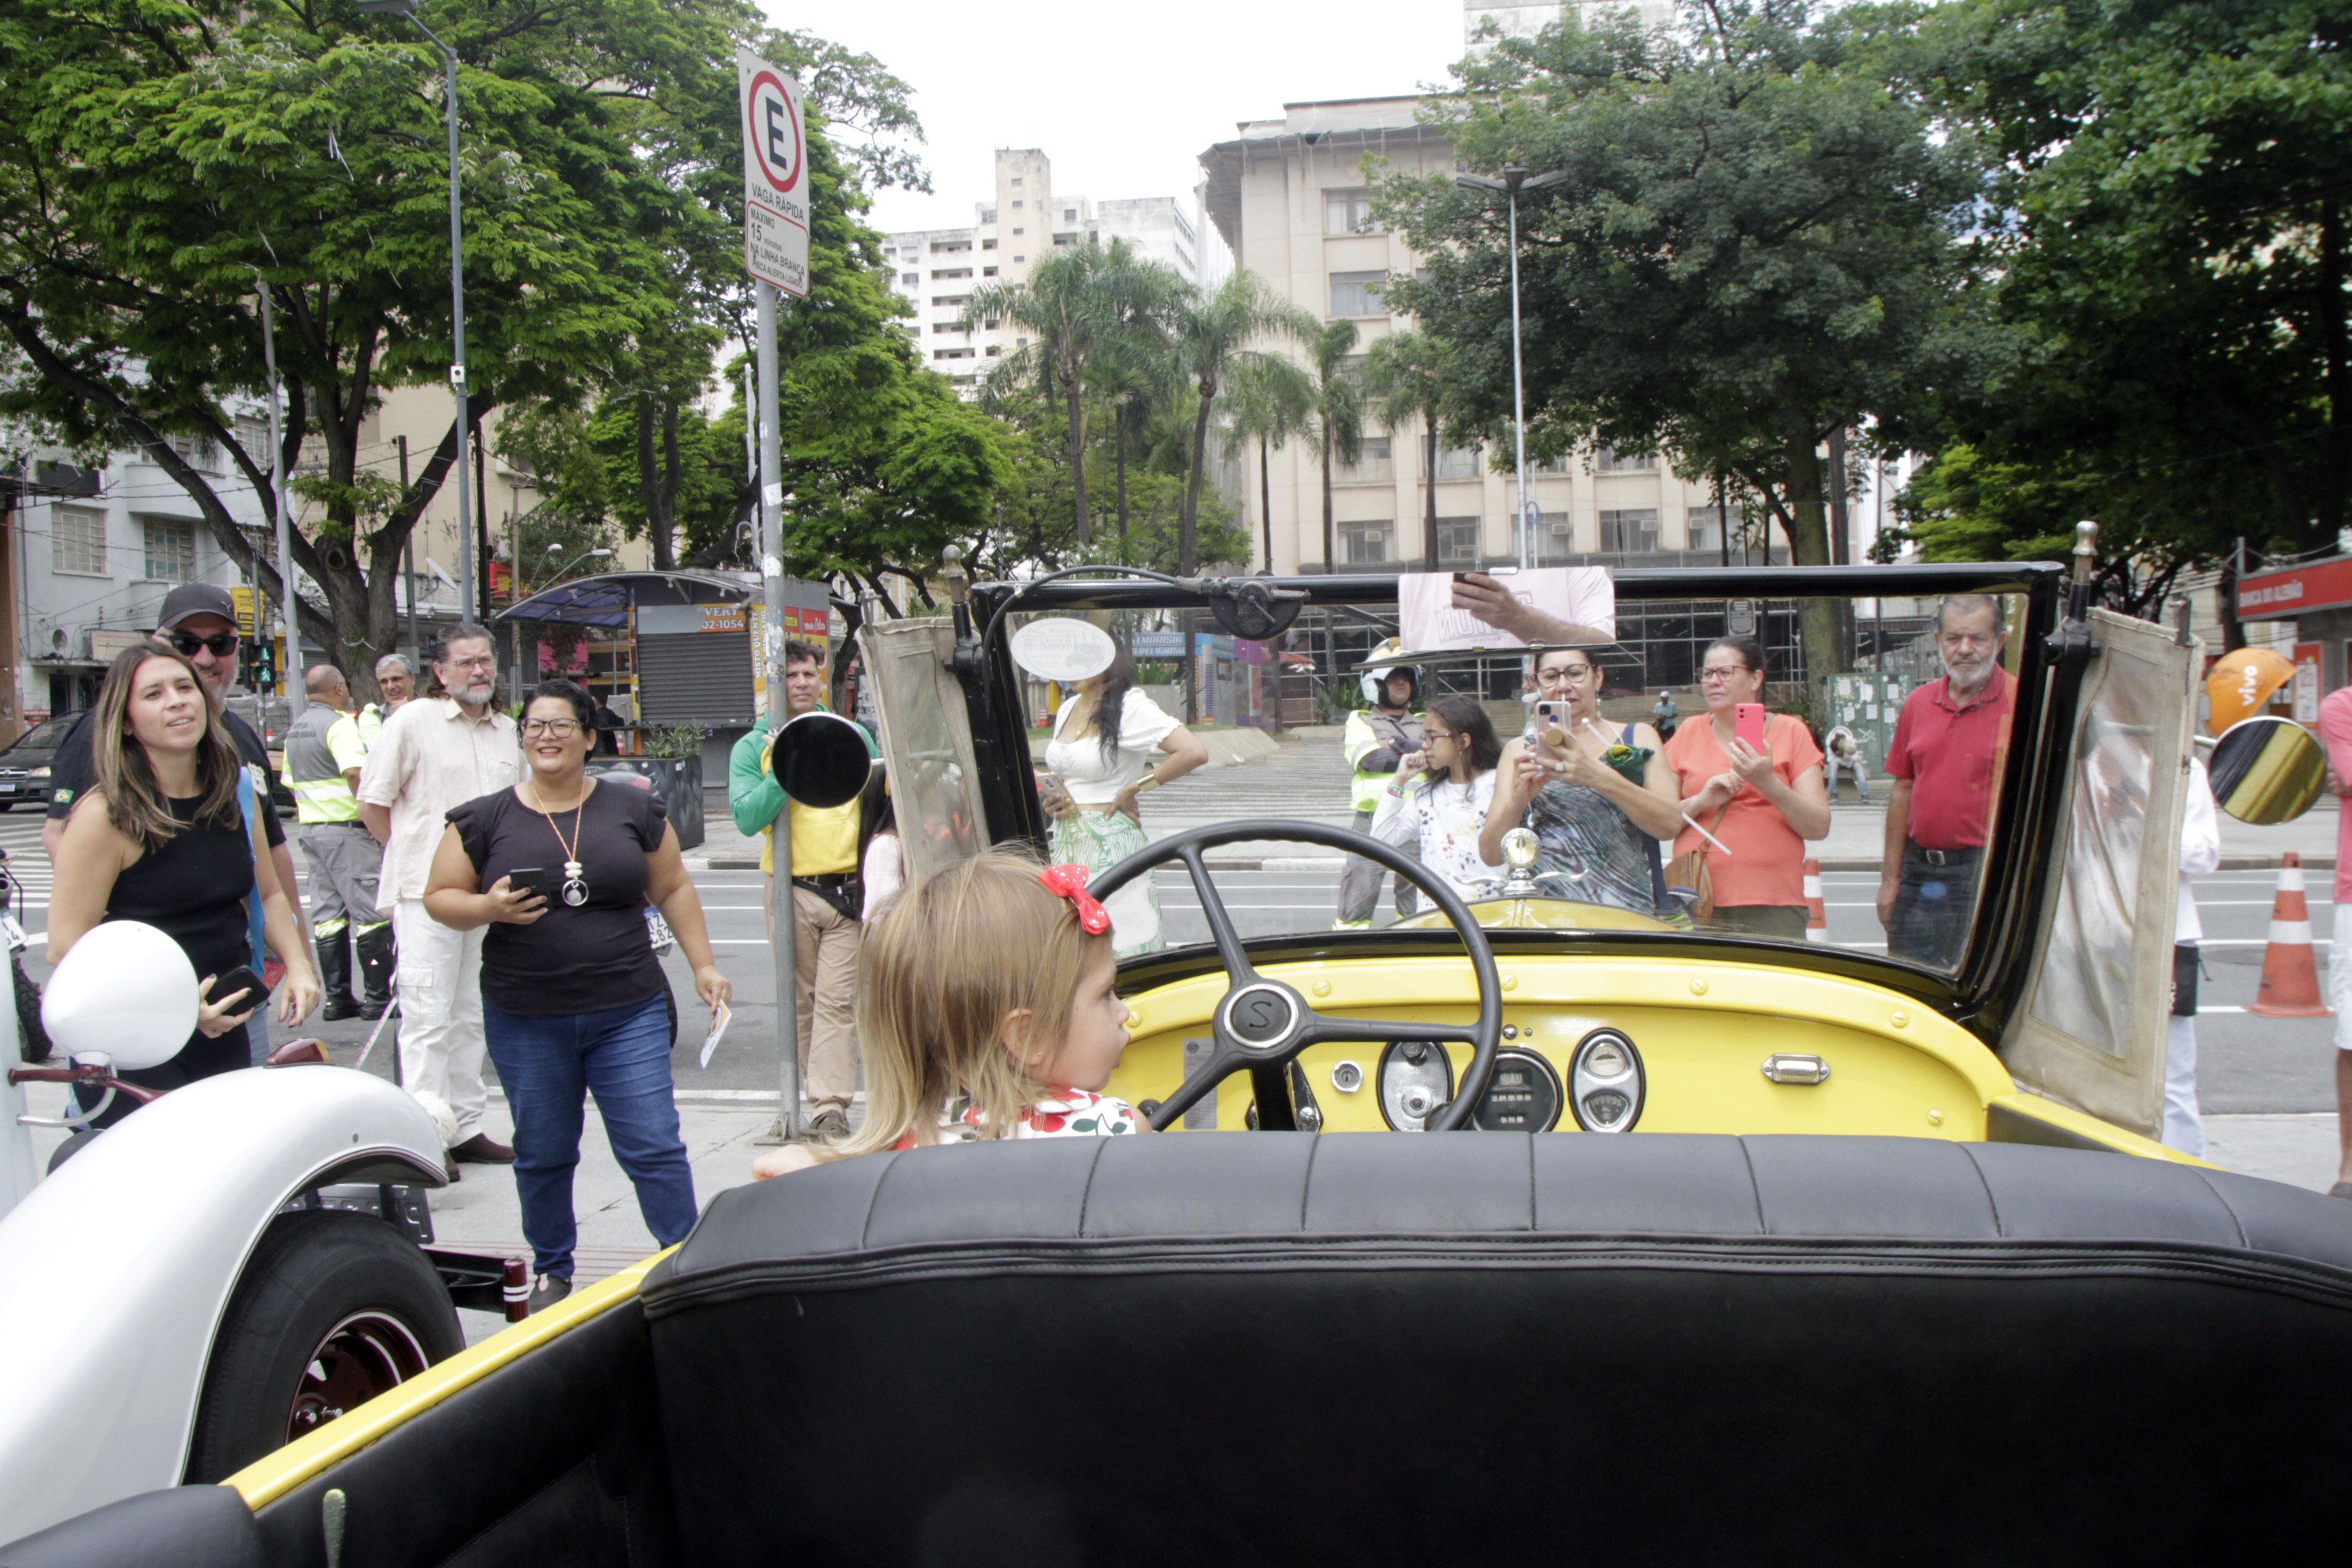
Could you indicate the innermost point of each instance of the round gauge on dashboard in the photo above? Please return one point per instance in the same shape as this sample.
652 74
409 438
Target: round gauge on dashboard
1606 1085
1524 1096
1416 1077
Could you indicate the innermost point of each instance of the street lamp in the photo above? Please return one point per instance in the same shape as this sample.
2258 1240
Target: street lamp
1515 180
456 293
584 555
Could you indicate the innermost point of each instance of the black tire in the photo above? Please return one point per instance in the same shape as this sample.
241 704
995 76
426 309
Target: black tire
333 1308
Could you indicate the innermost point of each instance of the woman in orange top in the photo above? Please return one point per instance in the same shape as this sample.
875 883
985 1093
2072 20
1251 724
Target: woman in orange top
1763 804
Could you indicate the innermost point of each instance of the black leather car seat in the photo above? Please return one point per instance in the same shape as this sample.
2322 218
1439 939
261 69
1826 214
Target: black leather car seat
1494 1349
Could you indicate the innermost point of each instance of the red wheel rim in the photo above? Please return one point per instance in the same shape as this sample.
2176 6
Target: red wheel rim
358 1358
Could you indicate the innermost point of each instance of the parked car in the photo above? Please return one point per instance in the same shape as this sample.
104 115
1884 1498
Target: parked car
1746 1249
25 764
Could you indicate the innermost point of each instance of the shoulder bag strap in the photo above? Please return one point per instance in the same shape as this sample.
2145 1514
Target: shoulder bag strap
256 929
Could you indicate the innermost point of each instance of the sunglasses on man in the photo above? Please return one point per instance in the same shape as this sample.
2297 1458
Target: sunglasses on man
220 645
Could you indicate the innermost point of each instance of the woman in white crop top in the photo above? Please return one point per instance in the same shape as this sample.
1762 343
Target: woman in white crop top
1102 770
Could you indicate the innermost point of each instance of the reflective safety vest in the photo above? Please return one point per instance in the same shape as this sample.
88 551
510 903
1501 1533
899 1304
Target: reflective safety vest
1369 730
319 747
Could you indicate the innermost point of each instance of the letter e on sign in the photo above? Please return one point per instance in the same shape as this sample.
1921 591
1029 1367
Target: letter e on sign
775 187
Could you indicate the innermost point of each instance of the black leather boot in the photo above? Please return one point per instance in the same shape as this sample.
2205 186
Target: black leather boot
335 978
378 960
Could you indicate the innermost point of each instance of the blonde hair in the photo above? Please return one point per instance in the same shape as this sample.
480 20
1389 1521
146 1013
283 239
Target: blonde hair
940 972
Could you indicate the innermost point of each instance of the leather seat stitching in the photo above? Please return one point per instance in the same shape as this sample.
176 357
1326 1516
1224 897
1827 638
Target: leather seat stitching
1754 1188
874 1200
1306 1183
1087 1194
2227 1207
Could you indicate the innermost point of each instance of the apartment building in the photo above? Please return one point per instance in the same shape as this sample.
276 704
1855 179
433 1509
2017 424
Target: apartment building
1290 196
935 270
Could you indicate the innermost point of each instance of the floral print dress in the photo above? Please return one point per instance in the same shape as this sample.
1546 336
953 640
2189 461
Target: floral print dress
1063 1113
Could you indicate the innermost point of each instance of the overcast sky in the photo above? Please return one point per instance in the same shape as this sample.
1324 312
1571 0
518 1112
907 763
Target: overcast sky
1122 97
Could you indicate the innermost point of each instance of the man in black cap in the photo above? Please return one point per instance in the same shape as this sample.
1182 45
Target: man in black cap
199 621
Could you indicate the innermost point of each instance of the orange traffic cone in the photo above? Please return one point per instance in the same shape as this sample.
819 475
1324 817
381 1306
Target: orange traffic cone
2289 987
1817 919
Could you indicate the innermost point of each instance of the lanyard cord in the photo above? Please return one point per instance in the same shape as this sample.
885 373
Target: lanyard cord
571 850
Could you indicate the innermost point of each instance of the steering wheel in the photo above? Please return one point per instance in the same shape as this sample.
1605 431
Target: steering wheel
1263 1023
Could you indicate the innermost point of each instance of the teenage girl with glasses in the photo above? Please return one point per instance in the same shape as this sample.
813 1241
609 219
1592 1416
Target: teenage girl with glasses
1599 796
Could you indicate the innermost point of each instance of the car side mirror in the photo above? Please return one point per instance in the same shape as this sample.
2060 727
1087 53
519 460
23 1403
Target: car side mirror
2267 770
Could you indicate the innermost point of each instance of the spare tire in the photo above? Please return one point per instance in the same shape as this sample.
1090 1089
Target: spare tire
333 1309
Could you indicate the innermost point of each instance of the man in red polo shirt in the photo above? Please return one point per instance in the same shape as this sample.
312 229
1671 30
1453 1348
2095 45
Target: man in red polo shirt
1946 762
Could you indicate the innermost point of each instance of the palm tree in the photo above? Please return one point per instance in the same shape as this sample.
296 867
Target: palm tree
1402 378
1077 300
1338 408
1270 400
1209 331
1131 377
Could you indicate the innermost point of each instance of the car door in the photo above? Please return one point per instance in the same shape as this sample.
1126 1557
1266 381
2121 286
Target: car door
926 744
2091 1031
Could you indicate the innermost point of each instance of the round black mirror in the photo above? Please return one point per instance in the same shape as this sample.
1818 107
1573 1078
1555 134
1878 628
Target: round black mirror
823 759
2267 770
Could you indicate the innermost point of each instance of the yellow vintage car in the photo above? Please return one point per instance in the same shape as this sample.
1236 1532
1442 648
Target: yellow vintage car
1667 1244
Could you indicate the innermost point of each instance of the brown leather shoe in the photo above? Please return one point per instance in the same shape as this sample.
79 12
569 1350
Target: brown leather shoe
482 1150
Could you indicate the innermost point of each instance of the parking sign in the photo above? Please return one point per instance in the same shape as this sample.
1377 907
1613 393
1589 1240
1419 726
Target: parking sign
775 175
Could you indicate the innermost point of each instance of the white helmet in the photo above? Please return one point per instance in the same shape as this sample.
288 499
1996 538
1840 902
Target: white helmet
1376 680
125 989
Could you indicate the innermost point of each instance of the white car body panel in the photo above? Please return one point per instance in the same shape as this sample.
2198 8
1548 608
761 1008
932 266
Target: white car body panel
115 1271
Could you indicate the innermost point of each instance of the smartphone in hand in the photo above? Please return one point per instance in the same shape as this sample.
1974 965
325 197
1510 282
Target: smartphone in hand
530 879
241 978
1747 724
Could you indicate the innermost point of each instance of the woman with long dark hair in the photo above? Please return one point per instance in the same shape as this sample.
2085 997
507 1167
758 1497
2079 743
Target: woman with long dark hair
573 1000
1443 808
167 836
1111 745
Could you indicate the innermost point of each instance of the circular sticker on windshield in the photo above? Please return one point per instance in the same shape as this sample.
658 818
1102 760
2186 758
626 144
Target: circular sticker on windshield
1058 648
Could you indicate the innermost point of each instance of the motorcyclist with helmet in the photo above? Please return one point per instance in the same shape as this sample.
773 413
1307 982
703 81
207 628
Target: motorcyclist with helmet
1379 742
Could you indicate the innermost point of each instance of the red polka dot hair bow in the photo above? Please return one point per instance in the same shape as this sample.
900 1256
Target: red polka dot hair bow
1070 882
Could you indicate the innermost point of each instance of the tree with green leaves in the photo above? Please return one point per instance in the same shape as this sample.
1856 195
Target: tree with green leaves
1268 400
1755 241
1211 332
1080 302
1404 378
2168 211
1338 410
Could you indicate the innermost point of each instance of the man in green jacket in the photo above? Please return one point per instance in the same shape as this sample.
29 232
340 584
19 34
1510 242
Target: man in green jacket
1377 741
827 932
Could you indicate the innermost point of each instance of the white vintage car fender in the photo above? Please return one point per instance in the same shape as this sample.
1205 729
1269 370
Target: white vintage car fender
115 1271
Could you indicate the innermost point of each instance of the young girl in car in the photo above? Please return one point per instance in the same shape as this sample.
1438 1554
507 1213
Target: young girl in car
988 1007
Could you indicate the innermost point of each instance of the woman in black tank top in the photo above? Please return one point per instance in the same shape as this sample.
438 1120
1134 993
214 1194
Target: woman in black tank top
162 838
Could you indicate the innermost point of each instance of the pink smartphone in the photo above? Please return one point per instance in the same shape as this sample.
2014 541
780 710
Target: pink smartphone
1747 724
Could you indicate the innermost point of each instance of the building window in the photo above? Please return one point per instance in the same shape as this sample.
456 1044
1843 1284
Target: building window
1348 212
171 549
1069 214
1358 293
1563 464
951 353
1457 462
1019 231
78 540
1373 466
989 244
199 452
988 214
253 435
1629 530
1706 524
1457 541
1364 543
1019 258
949 246
994 350
1555 539
1607 461
988 272
1016 207
911 279
950 300
941 272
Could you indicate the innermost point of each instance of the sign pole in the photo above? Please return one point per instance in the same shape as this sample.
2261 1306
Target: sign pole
782 947
288 678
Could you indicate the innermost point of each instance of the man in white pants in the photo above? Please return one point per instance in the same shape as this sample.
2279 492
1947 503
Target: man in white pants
433 754
2200 856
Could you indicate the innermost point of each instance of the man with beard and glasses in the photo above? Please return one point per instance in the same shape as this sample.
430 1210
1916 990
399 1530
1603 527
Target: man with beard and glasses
1946 761
198 621
433 754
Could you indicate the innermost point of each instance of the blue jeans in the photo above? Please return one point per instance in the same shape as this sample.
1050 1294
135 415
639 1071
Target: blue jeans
547 1065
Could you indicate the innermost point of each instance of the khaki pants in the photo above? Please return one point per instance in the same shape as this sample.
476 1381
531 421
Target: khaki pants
824 995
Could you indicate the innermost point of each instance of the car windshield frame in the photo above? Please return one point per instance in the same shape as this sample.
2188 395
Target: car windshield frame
1981 992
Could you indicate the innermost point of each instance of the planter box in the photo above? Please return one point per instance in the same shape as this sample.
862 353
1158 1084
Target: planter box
678 781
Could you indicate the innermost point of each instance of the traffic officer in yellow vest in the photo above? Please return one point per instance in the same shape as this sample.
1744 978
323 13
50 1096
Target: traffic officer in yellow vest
323 754
1377 741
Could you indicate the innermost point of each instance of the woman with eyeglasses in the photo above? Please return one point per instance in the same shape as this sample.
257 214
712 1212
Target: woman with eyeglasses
560 868
1442 813
1598 796
1762 803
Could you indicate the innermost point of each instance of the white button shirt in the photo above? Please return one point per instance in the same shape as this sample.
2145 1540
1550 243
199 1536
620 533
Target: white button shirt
429 757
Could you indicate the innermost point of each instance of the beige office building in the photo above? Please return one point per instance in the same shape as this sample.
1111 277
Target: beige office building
1290 196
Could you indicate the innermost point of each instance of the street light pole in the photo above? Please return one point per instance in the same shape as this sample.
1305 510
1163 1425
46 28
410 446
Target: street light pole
287 678
1515 180
456 293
